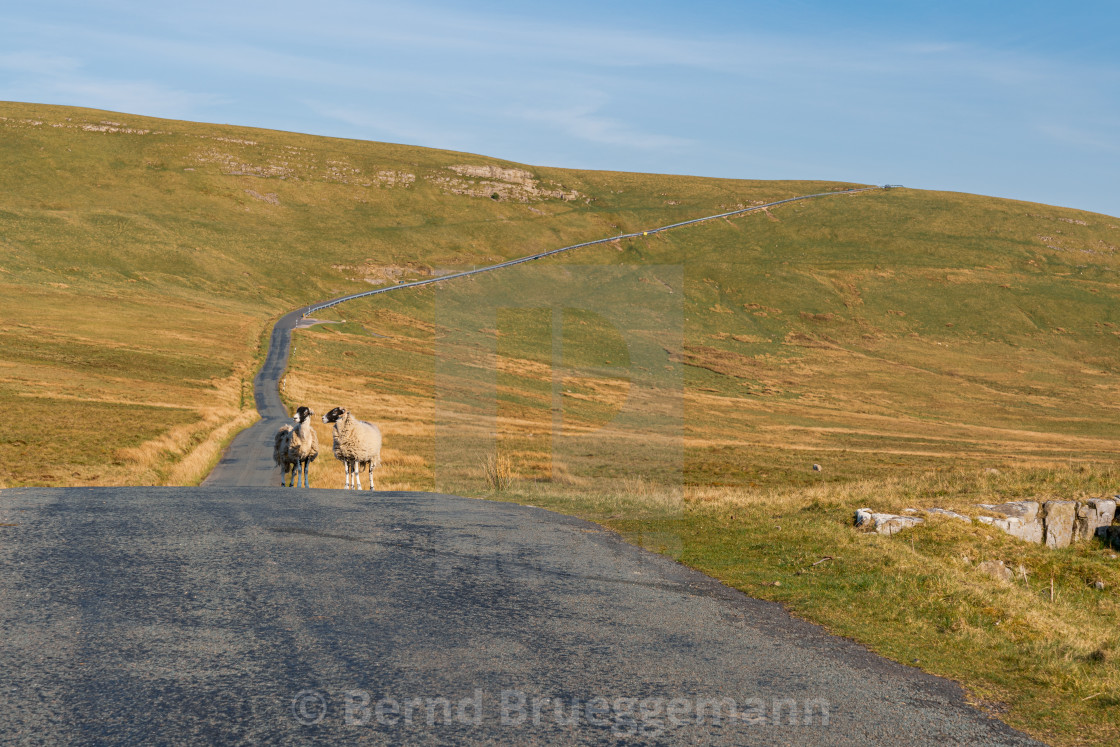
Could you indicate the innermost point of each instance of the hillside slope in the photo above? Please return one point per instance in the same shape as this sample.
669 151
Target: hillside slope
878 333
142 259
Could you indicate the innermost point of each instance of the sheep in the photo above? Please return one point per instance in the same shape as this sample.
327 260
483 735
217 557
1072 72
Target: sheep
280 451
357 444
296 448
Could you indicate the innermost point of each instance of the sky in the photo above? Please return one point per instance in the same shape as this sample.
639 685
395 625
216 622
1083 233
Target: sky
1011 99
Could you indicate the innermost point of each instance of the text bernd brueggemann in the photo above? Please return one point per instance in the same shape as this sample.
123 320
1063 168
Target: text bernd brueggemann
518 709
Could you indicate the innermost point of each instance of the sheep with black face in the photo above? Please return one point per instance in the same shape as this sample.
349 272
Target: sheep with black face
357 444
295 448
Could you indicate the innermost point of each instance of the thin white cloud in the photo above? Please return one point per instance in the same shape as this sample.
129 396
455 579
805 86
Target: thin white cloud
1106 138
58 79
138 97
36 63
396 127
584 122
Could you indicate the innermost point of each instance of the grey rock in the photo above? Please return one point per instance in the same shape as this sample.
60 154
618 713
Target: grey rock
1025 510
996 569
1092 515
1020 519
869 521
1058 518
948 514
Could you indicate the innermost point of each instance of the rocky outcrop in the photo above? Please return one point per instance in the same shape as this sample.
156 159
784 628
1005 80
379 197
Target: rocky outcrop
497 183
869 521
1018 518
1058 519
1092 515
1053 523
948 514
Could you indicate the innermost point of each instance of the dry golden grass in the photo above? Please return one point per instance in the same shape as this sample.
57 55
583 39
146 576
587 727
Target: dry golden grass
498 471
115 388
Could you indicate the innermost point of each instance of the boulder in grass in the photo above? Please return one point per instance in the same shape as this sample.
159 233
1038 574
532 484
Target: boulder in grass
869 521
1019 519
1058 518
997 570
948 514
1091 515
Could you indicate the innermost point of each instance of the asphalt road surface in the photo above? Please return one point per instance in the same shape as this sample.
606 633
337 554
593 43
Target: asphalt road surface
287 616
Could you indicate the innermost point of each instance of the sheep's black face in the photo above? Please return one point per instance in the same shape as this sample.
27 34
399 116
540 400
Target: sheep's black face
334 415
303 413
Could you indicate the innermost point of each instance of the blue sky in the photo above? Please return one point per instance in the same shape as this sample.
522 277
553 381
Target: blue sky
1013 99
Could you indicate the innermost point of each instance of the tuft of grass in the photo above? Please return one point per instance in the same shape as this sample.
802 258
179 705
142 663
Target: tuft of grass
498 471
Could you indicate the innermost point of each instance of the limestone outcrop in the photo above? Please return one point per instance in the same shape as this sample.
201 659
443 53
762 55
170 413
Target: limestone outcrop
1053 523
1058 520
1018 518
881 523
1092 515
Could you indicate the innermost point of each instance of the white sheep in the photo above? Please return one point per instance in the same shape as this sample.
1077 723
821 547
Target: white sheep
357 444
296 448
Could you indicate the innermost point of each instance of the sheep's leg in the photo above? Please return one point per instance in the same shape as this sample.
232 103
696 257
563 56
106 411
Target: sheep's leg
349 468
358 475
371 475
306 467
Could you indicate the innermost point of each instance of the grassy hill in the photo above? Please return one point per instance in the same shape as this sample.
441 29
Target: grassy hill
142 259
921 348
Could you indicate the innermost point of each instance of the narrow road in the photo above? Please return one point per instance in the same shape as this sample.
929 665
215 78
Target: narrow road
286 616
247 460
